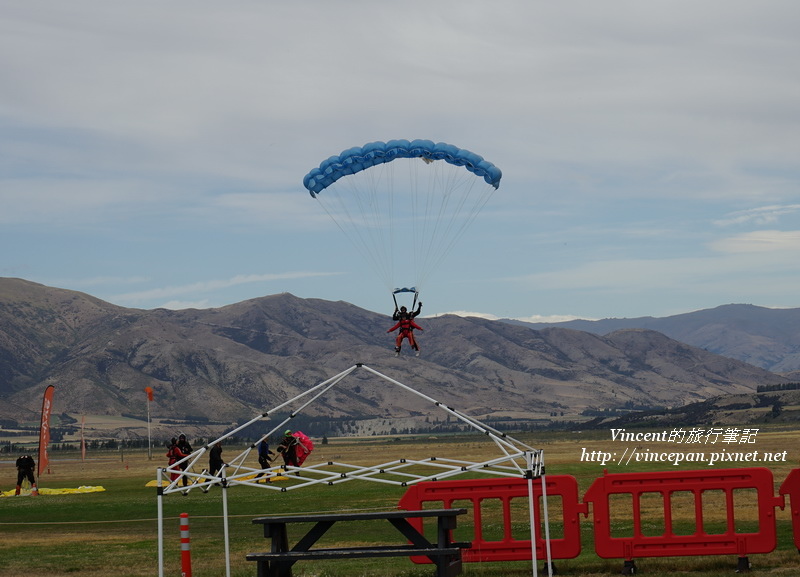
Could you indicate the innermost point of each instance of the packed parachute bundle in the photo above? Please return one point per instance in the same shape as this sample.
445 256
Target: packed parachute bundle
403 204
303 447
295 447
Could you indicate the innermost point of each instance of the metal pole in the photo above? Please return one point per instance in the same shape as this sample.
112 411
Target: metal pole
531 509
225 523
546 518
149 441
160 493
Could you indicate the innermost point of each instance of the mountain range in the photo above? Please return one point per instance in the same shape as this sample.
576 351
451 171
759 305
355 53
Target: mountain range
764 337
231 363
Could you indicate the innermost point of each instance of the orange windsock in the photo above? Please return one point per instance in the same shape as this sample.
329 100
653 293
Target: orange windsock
149 392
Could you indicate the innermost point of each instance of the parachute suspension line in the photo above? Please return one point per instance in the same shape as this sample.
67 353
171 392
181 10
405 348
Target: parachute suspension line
454 200
435 216
393 233
422 198
404 216
415 233
373 231
355 206
378 226
378 194
456 236
428 203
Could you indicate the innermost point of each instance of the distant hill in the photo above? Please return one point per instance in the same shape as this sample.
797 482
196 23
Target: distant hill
750 410
231 363
764 337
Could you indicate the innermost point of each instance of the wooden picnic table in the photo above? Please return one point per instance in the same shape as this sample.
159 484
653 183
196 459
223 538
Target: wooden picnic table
278 561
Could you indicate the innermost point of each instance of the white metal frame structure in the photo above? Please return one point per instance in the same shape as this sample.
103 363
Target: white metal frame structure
516 459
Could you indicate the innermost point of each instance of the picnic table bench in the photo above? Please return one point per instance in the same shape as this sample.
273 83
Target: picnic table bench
278 562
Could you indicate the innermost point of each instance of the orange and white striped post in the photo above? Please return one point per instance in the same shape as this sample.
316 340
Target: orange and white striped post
186 547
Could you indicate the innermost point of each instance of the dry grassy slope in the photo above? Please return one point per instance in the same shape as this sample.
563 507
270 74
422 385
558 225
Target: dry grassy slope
773 409
764 337
233 362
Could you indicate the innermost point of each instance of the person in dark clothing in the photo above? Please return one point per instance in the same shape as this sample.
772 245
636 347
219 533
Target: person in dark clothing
186 449
406 324
264 459
287 449
184 445
215 458
215 462
25 468
402 312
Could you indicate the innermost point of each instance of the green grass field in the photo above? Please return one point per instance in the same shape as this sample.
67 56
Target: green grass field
114 532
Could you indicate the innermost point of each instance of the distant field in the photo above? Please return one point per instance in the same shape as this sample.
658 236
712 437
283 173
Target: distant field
105 427
114 532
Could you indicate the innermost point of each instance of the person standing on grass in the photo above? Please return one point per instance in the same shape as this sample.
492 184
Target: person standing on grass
174 455
186 450
215 458
25 468
288 449
264 459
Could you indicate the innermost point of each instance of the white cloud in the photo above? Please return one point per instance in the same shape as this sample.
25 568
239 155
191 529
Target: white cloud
73 202
465 314
760 216
528 319
550 318
760 241
295 210
179 305
745 259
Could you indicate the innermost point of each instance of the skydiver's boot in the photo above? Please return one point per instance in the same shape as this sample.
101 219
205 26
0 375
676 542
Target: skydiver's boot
34 491
16 493
397 351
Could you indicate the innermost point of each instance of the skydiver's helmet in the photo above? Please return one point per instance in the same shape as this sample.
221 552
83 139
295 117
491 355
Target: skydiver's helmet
403 309
287 433
181 437
174 441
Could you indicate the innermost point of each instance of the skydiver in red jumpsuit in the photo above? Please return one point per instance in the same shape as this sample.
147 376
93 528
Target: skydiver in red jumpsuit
406 324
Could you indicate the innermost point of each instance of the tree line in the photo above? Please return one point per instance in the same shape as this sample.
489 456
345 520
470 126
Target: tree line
780 387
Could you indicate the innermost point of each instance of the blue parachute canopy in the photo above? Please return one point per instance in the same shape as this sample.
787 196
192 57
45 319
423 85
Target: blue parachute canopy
356 159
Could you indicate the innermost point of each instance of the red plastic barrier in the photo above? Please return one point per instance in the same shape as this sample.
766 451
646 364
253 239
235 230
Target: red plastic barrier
791 487
721 541
473 494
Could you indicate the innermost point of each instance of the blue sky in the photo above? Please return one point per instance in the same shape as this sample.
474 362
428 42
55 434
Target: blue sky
152 153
